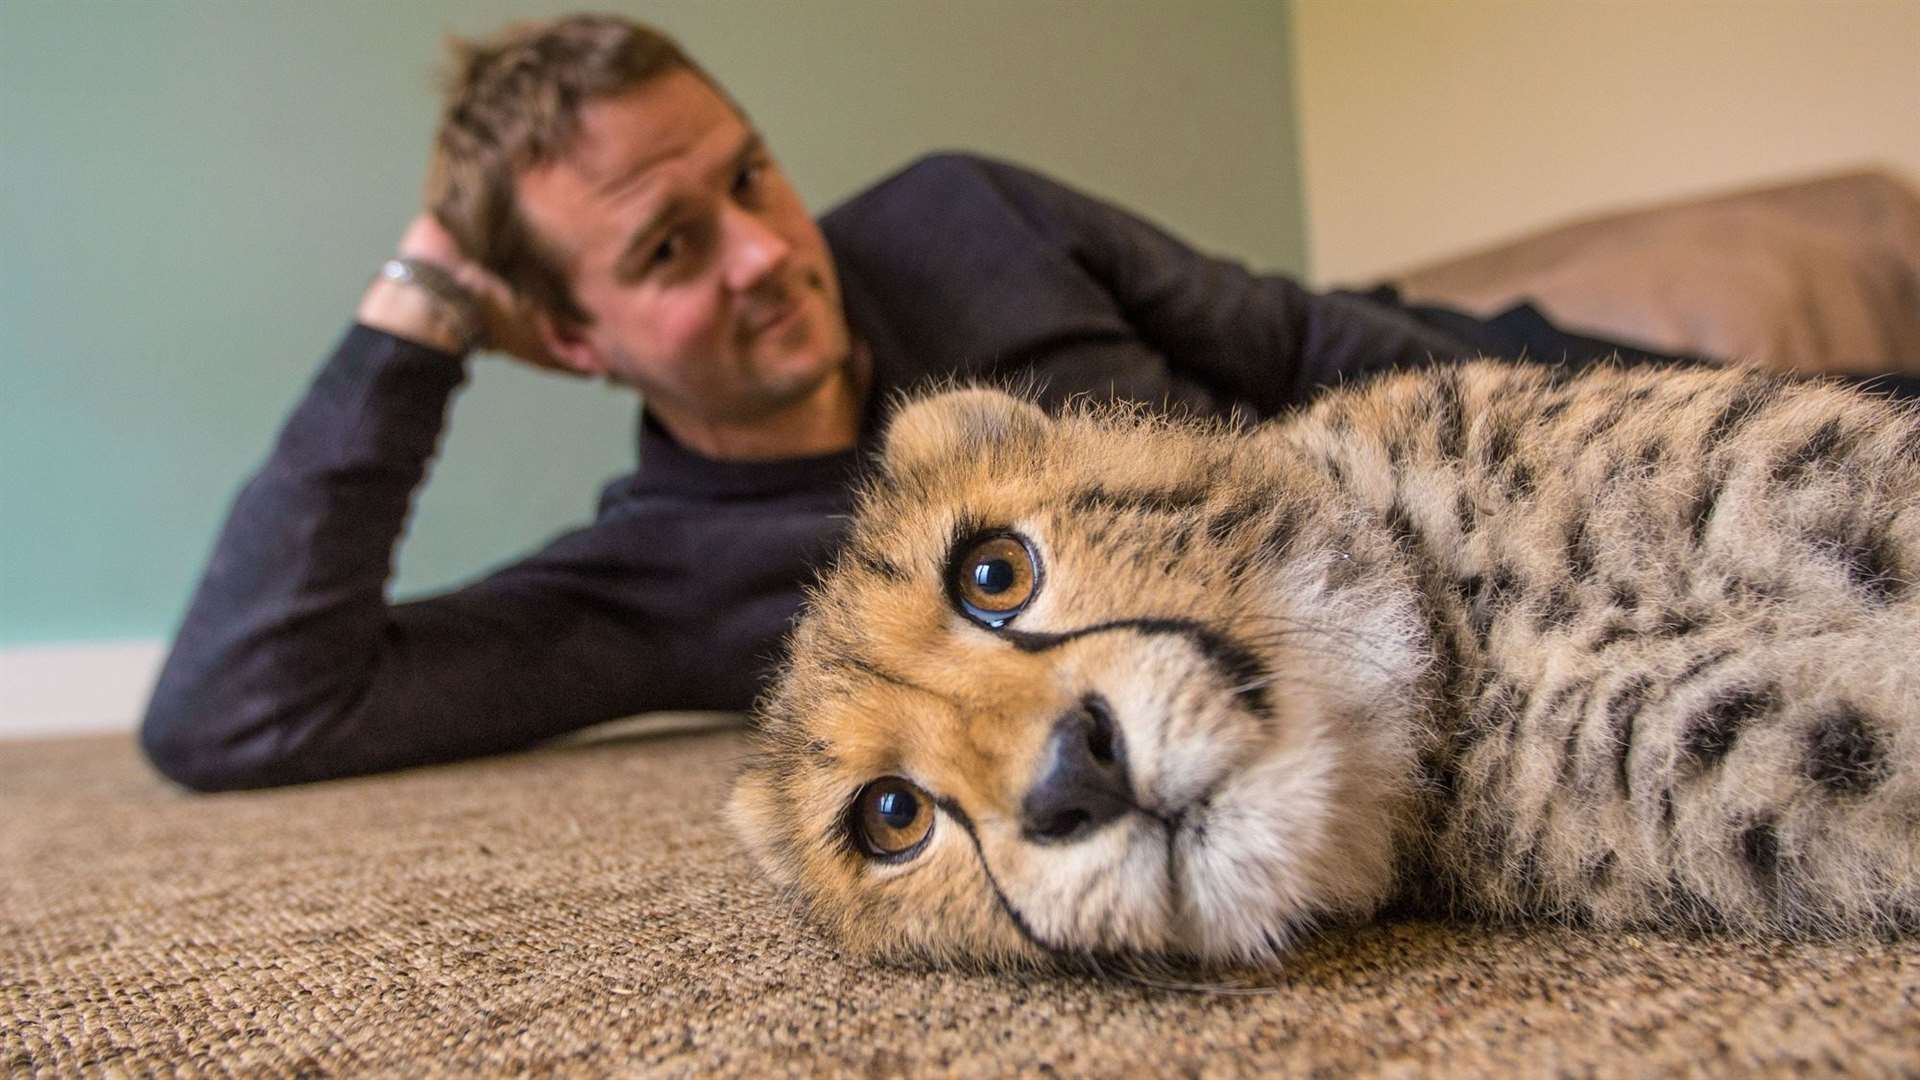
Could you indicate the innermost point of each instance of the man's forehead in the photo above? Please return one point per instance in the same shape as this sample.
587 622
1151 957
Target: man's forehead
630 143
626 137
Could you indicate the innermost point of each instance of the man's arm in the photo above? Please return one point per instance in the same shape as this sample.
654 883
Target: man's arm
1267 340
291 665
288 641
1260 339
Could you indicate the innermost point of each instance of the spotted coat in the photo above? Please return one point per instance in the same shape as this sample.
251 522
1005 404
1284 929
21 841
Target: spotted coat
1630 649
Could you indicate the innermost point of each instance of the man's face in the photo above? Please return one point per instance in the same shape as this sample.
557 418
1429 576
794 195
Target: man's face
710 287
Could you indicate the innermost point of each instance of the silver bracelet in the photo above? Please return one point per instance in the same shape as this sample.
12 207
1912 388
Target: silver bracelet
454 298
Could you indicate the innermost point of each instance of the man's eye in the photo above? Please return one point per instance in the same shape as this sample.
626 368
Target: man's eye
667 250
748 178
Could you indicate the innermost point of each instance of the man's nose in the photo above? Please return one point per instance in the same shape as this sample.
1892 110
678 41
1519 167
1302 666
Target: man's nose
1082 781
754 248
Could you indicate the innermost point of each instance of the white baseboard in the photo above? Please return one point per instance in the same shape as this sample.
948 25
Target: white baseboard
76 689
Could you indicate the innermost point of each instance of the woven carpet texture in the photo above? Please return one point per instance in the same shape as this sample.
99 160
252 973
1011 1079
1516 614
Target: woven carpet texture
584 909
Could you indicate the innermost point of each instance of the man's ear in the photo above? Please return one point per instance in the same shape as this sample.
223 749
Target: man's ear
958 422
569 347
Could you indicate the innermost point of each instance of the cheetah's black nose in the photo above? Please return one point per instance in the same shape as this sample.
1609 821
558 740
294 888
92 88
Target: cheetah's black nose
1082 781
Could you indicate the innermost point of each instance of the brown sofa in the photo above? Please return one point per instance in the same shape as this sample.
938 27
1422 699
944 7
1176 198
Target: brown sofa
1815 276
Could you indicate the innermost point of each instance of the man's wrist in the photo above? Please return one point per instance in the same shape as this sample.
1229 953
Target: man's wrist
422 302
411 313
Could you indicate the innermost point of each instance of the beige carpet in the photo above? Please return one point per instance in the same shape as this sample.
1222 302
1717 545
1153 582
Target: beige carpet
584 909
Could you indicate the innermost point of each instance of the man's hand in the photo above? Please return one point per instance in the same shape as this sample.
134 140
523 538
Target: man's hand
510 325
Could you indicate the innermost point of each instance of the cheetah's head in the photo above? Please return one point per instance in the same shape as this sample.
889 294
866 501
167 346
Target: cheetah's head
1093 685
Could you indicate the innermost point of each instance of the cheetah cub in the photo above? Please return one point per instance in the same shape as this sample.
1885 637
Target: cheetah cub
1634 648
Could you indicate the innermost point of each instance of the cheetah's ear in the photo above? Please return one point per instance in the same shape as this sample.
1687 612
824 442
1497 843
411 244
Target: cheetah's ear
958 423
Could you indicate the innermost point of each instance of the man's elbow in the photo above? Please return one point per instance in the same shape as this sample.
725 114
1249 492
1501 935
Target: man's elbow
200 756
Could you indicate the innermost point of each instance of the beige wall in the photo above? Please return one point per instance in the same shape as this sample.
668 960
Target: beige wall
1428 127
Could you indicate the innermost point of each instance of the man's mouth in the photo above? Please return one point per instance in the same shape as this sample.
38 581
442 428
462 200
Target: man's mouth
783 315
780 308
776 317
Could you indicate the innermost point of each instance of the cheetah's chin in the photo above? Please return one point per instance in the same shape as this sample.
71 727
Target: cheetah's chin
1267 855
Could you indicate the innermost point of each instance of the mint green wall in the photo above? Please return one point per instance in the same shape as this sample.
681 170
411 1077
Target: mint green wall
193 193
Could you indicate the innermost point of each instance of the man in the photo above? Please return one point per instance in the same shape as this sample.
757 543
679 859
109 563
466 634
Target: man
600 207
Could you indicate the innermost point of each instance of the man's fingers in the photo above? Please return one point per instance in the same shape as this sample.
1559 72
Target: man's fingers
426 238
510 324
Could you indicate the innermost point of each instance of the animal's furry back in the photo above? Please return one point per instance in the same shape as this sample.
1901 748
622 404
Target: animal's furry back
1674 619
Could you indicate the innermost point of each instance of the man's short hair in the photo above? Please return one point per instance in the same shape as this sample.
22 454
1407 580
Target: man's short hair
513 103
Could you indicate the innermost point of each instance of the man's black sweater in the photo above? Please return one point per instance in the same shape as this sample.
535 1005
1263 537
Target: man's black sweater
291 665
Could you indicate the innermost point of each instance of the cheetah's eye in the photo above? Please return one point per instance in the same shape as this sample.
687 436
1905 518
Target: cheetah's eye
892 819
994 578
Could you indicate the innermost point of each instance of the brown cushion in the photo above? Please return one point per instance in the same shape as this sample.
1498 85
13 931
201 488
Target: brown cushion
1821 275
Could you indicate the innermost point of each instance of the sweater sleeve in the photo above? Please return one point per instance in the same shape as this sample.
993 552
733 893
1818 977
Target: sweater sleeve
290 664
1260 339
